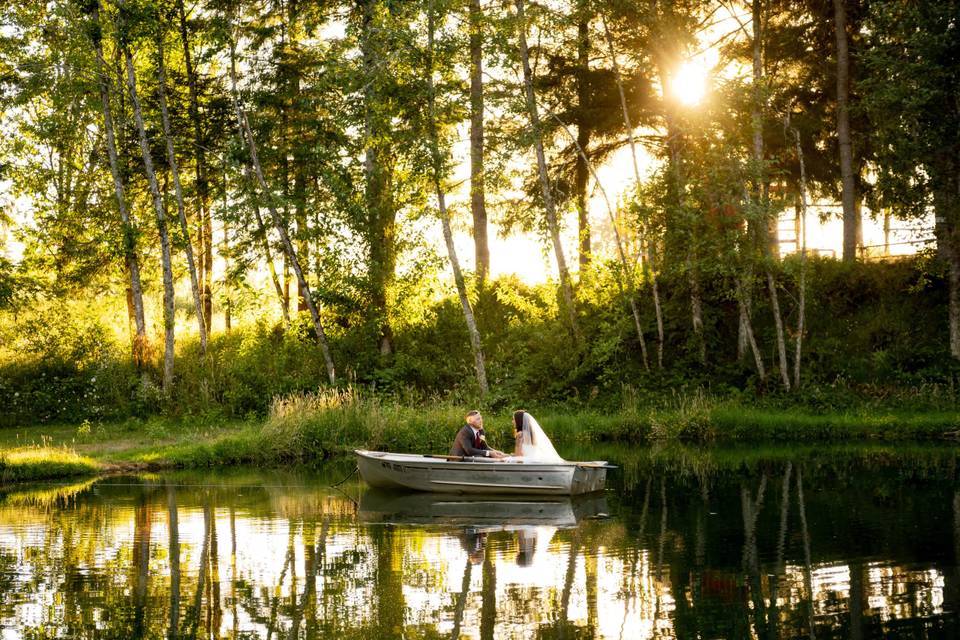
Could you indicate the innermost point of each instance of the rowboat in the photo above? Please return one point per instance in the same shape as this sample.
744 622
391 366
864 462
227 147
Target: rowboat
481 512
456 474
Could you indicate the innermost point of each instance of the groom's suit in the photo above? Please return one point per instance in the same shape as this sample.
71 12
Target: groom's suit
468 444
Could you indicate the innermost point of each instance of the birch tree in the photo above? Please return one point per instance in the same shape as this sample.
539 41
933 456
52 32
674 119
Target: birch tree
178 192
278 223
200 169
553 226
438 173
132 259
159 211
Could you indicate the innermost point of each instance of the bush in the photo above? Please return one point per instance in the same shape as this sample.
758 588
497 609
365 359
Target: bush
876 337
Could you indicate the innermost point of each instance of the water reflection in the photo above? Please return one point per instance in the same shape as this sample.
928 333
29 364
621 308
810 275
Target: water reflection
685 544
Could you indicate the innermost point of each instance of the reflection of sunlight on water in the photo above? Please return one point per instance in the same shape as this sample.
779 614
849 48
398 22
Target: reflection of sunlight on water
599 577
893 592
831 586
889 591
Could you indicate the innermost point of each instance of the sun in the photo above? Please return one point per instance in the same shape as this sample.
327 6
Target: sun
688 84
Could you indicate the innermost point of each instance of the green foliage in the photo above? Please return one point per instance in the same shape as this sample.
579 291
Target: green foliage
70 369
872 340
337 96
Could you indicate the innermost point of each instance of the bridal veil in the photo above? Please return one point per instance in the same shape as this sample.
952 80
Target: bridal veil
536 445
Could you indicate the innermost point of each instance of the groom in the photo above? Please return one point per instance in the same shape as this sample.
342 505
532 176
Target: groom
471 441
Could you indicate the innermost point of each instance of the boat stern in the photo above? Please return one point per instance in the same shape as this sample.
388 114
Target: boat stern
588 478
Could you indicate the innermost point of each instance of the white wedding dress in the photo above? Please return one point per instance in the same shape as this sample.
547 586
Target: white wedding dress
534 444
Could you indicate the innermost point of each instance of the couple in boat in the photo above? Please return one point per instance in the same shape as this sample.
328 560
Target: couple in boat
532 444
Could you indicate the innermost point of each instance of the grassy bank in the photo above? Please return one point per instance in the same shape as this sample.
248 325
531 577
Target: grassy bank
306 428
44 463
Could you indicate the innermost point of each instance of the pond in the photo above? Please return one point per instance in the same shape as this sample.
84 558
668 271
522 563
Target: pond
856 542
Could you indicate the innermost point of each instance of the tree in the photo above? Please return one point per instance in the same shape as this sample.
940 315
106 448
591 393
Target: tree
911 92
278 223
851 213
478 204
648 269
379 166
158 207
132 259
200 167
178 191
440 169
548 202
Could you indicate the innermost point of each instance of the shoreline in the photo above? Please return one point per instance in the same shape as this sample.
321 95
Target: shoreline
307 435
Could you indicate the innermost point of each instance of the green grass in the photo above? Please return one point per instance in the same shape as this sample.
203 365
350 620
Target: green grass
307 428
42 463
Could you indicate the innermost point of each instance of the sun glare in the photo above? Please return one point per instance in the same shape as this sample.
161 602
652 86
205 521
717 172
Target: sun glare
689 83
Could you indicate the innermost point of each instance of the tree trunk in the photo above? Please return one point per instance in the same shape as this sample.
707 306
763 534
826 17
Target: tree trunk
886 232
225 252
168 310
765 227
139 339
268 256
203 186
228 300
778 323
475 343
378 173
178 190
278 222
551 214
582 177
802 304
478 204
676 186
299 160
851 219
648 271
285 300
648 268
696 308
953 306
743 304
693 274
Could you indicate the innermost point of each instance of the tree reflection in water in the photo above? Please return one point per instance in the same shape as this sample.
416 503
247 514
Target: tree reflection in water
853 544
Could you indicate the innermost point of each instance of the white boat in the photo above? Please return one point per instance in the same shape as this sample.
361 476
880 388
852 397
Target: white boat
455 474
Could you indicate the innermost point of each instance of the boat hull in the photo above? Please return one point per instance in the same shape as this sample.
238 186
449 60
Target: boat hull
479 475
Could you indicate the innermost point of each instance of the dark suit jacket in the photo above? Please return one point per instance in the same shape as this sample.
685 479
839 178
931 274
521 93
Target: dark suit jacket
463 445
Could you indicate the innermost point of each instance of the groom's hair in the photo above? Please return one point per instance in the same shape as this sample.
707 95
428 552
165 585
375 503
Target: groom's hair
470 414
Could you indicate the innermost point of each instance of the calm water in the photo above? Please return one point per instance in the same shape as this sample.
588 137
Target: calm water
850 543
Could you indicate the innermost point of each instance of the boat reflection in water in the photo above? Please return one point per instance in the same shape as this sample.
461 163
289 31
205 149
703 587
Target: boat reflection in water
490 513
534 519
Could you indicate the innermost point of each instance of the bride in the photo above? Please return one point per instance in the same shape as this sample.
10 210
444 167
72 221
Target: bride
533 445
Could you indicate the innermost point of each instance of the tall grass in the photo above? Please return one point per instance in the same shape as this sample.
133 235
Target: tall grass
315 425
42 463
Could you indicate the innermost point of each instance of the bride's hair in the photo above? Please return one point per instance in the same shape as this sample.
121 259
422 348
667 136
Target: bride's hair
518 419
